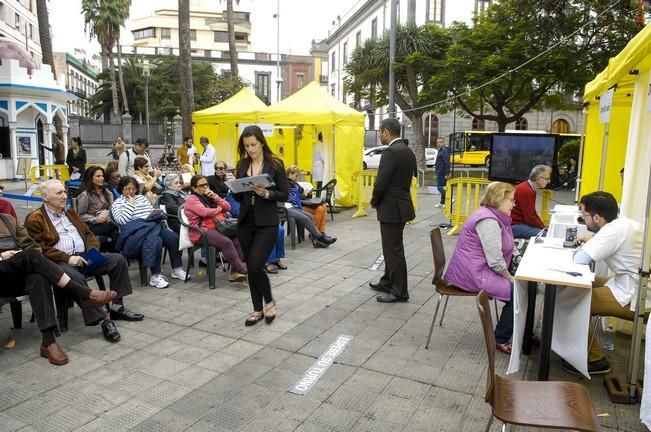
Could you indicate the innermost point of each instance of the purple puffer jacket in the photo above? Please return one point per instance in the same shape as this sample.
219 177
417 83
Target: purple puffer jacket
468 268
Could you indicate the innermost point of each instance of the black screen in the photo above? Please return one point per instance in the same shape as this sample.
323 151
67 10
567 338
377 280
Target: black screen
514 155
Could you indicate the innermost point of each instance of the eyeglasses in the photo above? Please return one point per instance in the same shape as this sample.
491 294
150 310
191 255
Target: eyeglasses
202 185
220 168
545 178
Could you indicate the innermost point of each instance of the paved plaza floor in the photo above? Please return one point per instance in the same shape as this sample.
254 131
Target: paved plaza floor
192 365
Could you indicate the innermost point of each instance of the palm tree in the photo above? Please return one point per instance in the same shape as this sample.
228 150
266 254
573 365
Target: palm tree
103 19
44 34
232 49
185 69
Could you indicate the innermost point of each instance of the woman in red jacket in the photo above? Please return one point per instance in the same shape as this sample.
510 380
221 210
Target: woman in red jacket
204 208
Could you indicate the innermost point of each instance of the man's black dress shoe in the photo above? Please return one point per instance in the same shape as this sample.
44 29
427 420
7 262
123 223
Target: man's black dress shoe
390 298
377 287
110 331
126 314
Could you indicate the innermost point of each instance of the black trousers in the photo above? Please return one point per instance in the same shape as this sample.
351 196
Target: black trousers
29 272
256 243
394 279
116 268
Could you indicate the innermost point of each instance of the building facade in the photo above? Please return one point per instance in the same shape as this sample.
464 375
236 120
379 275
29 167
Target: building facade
19 24
81 80
371 18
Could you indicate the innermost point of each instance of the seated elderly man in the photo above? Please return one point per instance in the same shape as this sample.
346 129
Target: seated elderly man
25 270
524 219
63 236
618 242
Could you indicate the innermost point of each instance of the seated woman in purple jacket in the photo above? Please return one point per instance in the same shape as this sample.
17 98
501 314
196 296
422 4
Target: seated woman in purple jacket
483 253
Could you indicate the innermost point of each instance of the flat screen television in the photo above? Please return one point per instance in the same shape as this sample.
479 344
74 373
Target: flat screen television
513 155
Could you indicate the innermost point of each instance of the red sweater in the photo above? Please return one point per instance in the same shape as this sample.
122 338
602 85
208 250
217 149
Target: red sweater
524 210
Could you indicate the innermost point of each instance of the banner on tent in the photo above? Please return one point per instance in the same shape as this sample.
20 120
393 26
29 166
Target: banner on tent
606 105
267 128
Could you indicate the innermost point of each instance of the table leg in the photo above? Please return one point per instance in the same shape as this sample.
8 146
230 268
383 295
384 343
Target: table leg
547 329
528 324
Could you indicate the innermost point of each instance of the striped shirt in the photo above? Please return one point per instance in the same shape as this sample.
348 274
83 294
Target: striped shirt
124 212
70 241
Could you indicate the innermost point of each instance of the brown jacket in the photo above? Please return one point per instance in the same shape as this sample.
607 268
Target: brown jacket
9 225
40 228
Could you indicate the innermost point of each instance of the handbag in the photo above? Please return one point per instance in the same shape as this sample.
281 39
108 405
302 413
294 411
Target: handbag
227 227
8 242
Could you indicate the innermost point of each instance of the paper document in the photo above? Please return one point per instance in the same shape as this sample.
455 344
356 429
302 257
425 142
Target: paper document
245 184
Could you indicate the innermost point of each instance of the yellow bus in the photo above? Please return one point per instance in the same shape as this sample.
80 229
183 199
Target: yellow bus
473 147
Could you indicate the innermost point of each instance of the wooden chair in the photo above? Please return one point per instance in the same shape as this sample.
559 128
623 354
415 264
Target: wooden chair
440 285
542 404
329 189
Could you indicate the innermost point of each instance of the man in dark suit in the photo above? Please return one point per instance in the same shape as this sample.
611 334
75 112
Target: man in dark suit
392 199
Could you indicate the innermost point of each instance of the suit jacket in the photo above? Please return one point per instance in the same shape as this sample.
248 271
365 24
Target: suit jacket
391 194
265 210
9 225
40 228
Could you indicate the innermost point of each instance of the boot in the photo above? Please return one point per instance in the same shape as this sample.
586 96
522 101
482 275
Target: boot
327 239
319 244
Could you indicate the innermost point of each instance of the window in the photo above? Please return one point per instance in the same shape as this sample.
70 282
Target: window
31 31
478 124
481 6
332 90
374 28
521 124
300 80
17 21
241 37
345 52
193 35
239 16
560 126
358 39
165 33
145 33
334 58
436 11
262 85
221 36
431 127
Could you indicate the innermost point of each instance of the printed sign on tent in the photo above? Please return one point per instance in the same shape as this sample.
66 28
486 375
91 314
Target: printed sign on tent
606 105
267 128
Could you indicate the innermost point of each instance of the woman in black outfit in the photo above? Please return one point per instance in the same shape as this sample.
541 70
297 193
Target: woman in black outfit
258 219
76 158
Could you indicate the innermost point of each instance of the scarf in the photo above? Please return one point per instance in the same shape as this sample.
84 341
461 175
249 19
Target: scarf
207 202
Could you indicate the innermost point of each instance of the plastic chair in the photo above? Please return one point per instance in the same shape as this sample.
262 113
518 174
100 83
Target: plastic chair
440 285
211 251
329 189
542 404
16 306
283 216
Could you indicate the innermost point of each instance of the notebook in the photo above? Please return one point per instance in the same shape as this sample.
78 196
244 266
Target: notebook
94 259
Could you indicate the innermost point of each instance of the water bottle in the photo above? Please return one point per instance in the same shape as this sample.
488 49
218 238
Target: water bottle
608 337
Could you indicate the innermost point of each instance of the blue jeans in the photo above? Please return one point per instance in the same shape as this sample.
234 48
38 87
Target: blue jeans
524 231
504 327
278 250
440 185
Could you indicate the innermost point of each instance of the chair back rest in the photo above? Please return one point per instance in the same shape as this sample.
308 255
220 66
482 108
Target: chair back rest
438 253
183 218
483 307
330 190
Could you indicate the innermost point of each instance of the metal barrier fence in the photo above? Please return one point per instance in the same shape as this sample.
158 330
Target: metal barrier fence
59 172
100 133
362 189
463 197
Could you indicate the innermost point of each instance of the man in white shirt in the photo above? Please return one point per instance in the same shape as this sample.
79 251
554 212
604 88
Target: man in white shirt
318 159
618 242
207 158
125 163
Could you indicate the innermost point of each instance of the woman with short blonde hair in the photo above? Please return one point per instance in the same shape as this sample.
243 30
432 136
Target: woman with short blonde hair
494 194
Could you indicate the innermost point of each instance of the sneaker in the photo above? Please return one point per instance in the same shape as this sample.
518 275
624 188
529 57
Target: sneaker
439 205
158 281
179 273
597 367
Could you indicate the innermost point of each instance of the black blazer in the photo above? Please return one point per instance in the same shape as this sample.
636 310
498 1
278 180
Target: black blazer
391 193
265 210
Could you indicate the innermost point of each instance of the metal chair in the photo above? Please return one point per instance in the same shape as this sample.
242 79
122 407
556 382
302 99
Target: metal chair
329 189
542 404
440 285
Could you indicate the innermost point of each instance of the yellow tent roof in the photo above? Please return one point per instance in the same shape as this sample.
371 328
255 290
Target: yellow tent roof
637 51
241 107
311 105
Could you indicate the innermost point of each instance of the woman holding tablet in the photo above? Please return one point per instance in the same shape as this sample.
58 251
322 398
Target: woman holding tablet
258 220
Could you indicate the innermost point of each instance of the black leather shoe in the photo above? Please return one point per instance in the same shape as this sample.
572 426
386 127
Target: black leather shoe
327 239
125 314
390 298
319 244
377 287
110 331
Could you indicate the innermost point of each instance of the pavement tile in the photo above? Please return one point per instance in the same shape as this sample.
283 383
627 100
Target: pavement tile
9 423
194 405
131 413
164 368
164 421
66 419
190 354
219 362
333 418
163 394
163 347
193 377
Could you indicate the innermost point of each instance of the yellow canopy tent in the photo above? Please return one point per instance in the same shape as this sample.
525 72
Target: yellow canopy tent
219 123
308 112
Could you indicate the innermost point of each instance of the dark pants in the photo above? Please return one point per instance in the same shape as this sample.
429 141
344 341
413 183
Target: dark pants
116 268
394 279
171 242
440 185
257 243
306 219
504 327
29 272
109 231
230 247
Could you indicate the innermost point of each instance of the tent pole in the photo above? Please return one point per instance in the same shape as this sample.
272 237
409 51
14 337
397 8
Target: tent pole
604 150
579 162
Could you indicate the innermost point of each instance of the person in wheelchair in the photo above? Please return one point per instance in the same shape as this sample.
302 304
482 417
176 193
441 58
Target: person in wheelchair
205 209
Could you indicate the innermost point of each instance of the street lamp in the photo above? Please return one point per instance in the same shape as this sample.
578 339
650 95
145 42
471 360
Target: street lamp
146 73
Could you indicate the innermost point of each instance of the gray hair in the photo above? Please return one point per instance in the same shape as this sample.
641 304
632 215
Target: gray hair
169 179
538 171
44 186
